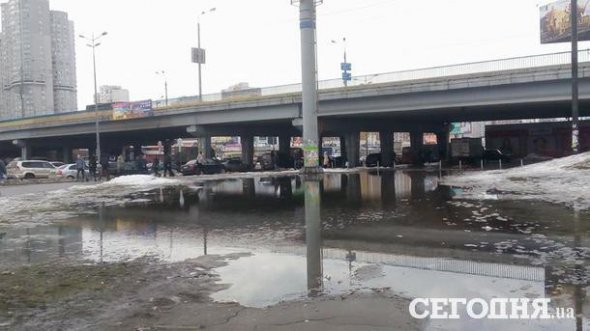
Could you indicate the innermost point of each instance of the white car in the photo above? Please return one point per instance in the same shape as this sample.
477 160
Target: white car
30 169
70 171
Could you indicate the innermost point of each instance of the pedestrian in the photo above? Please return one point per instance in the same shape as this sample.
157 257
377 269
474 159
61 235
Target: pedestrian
156 167
80 165
104 171
141 164
200 158
326 160
3 173
168 165
120 165
92 167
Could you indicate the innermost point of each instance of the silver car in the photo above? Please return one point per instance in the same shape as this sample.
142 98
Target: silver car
69 171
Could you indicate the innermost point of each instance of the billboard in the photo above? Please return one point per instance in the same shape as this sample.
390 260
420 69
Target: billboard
129 110
555 21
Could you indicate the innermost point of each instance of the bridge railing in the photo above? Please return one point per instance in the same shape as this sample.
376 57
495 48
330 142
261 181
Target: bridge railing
514 63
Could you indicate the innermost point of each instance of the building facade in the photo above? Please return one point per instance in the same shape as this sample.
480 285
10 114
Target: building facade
111 93
37 60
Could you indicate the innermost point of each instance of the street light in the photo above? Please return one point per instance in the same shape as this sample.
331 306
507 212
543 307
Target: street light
163 73
93 43
344 66
199 58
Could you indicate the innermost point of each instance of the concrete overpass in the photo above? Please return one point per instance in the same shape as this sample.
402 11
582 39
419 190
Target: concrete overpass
416 101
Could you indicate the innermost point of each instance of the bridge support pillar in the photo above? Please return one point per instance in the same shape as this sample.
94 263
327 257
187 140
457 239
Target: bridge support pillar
136 151
352 147
386 143
25 151
205 147
442 140
284 144
66 154
247 150
417 144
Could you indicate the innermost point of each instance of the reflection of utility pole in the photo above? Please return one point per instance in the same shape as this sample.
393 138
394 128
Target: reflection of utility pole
101 228
205 231
578 291
350 257
313 236
171 243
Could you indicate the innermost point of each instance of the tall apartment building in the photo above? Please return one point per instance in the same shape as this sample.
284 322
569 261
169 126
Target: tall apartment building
37 60
111 93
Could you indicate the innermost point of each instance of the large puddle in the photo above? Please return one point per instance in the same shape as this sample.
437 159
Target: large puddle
398 231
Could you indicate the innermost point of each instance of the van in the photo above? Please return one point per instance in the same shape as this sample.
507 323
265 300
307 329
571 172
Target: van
30 169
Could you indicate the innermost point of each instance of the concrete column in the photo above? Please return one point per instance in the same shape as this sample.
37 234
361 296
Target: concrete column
352 142
417 141
386 143
67 154
442 140
124 153
284 144
205 146
136 151
343 147
25 151
247 150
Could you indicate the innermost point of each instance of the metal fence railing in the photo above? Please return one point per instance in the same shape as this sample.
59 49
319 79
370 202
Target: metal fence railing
515 63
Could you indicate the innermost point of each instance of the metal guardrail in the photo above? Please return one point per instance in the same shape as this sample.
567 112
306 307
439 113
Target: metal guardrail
482 67
514 63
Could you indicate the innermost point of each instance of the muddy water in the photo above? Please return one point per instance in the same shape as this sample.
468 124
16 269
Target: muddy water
398 231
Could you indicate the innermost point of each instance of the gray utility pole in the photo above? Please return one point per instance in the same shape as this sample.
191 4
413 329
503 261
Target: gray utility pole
575 94
93 43
307 24
200 62
200 58
163 73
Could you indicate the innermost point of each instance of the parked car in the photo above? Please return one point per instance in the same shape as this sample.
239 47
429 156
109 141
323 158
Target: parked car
374 159
57 164
69 171
208 167
234 165
30 169
495 155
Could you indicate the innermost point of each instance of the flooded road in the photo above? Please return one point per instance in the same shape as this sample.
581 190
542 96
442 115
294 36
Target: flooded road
370 231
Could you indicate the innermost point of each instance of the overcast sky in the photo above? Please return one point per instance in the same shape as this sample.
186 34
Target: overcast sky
257 41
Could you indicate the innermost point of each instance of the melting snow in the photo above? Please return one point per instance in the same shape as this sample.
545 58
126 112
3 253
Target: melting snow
562 181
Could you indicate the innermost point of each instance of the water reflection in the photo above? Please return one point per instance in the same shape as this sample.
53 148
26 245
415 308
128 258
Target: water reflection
395 230
313 237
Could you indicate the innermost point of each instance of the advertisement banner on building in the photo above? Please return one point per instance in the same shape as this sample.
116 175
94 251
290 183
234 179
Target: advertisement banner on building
555 21
129 110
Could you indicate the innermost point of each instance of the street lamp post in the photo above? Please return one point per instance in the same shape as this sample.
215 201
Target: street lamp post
93 43
201 58
163 73
344 66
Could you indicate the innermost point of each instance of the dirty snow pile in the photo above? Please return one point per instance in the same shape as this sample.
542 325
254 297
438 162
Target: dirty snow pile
565 181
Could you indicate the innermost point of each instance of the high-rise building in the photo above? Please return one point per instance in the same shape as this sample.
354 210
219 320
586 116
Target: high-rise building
111 93
37 60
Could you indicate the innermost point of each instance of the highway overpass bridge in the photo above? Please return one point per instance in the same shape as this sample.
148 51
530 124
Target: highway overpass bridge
415 101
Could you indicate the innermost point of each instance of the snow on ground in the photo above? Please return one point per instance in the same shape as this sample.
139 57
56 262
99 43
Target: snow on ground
563 181
52 206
